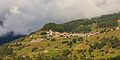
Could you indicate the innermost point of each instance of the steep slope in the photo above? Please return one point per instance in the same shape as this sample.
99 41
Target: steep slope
104 45
95 39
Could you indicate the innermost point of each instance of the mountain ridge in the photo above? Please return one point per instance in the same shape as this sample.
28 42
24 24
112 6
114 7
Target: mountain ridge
102 22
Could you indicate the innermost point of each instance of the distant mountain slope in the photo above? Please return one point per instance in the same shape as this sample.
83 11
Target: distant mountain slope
8 37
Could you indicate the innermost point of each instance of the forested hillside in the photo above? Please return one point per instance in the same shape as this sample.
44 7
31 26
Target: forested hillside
83 25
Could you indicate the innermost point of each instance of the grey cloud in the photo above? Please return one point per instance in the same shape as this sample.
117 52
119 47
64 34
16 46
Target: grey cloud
25 16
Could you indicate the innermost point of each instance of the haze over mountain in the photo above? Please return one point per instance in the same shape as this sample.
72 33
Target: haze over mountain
25 16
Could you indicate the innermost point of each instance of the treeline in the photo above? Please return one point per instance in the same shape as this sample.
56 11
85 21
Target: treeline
83 25
107 21
74 26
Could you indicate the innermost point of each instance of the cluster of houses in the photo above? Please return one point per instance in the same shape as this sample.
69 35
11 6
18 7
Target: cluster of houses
35 38
51 34
54 34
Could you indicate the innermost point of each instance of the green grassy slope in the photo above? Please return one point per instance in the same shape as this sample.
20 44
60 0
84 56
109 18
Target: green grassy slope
102 46
79 50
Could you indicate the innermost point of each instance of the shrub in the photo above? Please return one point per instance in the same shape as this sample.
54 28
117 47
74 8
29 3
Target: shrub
64 42
53 39
34 49
66 52
70 44
74 40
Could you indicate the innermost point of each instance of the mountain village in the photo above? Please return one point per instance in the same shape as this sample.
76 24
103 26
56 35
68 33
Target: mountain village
54 34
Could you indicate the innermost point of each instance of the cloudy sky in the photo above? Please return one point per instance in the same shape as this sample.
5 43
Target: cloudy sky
25 16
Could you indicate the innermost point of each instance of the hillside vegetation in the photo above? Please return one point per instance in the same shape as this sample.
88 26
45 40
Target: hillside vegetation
85 39
83 25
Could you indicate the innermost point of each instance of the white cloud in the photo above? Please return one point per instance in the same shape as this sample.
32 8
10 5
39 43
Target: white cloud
24 16
14 10
3 30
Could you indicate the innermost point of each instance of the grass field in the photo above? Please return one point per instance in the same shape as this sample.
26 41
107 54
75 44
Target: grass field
53 48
